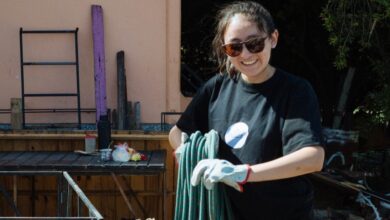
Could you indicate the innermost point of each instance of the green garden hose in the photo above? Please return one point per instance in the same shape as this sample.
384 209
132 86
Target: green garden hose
198 203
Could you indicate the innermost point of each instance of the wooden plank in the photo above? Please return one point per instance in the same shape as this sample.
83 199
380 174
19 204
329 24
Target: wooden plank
52 159
46 145
96 162
131 116
122 167
122 212
45 204
16 113
18 161
20 145
137 113
65 162
138 145
117 166
3 155
10 159
122 91
114 119
34 160
82 162
158 159
170 166
119 184
153 183
6 145
99 61
24 205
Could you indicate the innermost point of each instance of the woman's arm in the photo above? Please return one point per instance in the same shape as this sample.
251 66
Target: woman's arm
303 161
175 137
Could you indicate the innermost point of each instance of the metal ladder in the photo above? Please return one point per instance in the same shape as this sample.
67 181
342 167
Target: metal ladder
50 63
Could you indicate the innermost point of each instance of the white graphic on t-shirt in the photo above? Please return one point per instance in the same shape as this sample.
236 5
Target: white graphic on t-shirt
236 135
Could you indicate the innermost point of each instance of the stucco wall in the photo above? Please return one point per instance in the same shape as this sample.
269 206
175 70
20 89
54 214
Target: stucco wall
147 30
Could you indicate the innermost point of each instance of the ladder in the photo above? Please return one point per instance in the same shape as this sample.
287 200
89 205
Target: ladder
75 63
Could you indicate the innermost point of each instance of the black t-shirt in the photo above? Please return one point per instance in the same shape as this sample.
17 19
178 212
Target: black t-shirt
258 123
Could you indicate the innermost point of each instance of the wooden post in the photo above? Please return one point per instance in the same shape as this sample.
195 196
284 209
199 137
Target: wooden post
114 119
15 189
16 113
99 61
137 111
131 116
122 93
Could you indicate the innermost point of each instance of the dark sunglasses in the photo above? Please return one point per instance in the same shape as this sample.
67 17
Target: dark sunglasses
254 45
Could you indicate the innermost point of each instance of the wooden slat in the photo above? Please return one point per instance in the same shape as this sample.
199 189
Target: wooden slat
3 155
82 162
158 159
65 162
24 157
96 163
112 165
52 159
153 182
35 159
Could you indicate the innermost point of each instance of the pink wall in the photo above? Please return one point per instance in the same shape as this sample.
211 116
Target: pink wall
147 30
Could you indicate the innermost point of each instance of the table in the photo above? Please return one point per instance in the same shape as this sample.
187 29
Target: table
41 162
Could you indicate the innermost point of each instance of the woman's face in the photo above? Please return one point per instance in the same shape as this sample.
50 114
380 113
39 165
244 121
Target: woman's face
253 66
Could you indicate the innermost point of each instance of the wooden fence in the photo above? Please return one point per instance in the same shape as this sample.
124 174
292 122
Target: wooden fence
101 190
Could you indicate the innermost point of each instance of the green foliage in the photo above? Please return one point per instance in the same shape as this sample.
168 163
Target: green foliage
351 24
358 30
377 105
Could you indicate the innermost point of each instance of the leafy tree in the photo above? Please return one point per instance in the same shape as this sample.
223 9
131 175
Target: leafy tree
359 31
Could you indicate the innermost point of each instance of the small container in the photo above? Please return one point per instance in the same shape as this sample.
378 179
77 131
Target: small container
105 154
90 143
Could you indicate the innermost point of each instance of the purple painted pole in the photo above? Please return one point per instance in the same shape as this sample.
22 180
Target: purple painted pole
99 61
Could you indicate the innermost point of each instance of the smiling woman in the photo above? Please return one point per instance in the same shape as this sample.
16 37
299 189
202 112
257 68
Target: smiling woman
268 121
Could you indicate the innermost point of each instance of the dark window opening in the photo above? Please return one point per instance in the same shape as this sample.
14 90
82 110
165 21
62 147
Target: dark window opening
197 32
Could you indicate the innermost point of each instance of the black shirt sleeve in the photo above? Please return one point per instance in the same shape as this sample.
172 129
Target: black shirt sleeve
195 117
302 126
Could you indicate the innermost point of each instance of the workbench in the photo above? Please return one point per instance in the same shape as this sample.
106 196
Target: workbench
44 162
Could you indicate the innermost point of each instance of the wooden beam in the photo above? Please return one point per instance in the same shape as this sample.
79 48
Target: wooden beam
122 92
16 113
99 61
137 112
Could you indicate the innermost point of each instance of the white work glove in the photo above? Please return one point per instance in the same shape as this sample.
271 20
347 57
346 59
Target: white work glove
216 170
179 151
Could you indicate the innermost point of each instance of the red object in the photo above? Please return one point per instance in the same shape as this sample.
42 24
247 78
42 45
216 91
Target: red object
87 135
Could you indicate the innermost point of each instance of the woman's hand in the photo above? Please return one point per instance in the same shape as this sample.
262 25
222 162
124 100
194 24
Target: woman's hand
211 171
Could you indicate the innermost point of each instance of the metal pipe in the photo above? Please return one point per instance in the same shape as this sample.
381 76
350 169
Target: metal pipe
82 196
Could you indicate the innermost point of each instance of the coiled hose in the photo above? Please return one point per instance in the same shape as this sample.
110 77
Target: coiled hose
198 203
